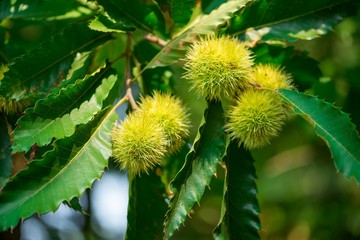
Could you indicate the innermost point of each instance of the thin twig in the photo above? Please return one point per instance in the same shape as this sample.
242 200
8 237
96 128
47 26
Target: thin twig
121 101
154 39
128 78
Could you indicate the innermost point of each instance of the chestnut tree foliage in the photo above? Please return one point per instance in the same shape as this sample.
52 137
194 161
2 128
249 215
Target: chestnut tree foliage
61 89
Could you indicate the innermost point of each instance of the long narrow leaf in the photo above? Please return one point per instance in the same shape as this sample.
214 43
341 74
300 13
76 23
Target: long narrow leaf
304 27
333 126
65 172
44 67
200 165
104 24
59 114
145 15
291 20
147 208
240 210
82 65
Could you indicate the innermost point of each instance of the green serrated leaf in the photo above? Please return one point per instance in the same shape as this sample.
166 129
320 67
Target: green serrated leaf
200 165
5 152
333 126
207 25
308 27
40 10
141 14
83 65
104 24
147 207
57 115
44 67
177 13
65 172
240 210
290 20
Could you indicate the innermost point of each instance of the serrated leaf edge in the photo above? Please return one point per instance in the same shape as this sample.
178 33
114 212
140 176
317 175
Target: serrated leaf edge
73 111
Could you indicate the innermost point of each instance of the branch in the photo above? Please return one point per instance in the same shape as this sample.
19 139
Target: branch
128 78
154 39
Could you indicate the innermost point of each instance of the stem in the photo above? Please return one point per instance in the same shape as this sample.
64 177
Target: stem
121 101
156 40
128 78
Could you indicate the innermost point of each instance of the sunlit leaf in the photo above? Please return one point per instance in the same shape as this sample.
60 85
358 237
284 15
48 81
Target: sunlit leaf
57 115
63 173
104 24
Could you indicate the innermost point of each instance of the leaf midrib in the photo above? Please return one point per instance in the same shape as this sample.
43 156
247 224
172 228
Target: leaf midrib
82 149
321 128
73 102
290 18
60 59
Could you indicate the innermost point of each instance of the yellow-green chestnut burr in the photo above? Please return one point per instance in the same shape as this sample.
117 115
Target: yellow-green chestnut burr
218 67
169 112
256 118
139 144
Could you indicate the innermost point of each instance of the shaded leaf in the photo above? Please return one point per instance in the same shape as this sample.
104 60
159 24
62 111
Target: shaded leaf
78 69
104 24
240 210
207 25
141 14
290 20
44 67
172 165
82 67
333 126
111 51
147 207
65 172
311 26
57 115
5 152
209 5
40 9
200 165
176 13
